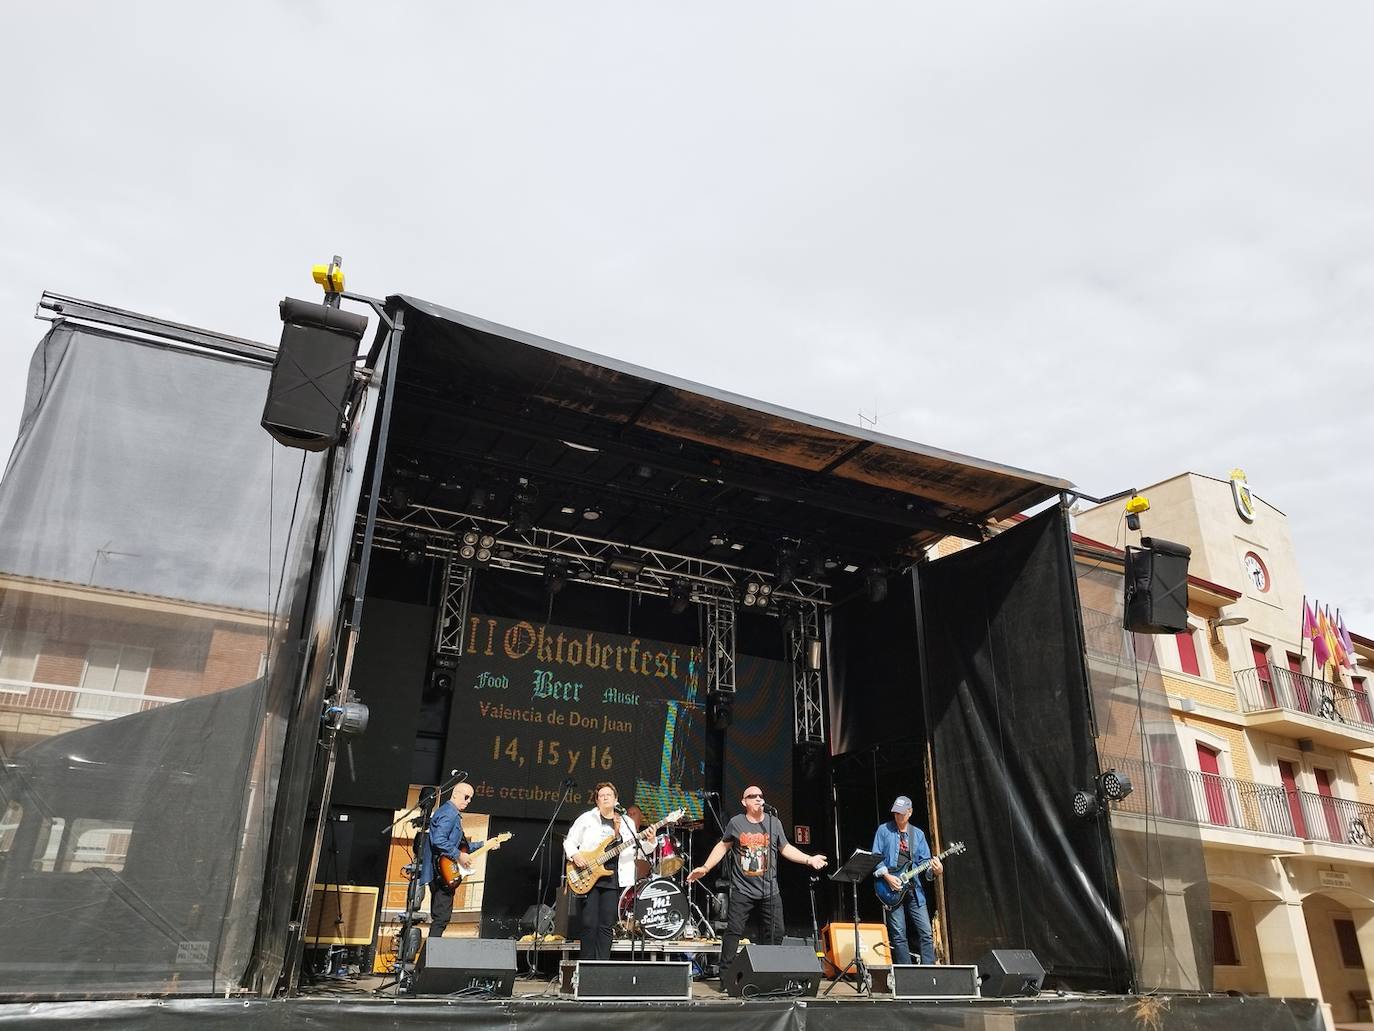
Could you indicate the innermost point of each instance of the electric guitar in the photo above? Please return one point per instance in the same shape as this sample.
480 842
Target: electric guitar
452 871
891 898
581 881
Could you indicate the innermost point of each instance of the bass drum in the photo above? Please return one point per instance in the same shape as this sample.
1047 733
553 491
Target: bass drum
660 909
625 910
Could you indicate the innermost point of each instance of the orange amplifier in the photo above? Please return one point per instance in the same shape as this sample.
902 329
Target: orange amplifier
839 946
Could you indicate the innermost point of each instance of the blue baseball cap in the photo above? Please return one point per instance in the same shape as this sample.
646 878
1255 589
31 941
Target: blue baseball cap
902 805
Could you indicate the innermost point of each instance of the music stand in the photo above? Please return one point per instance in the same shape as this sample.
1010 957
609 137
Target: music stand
858 867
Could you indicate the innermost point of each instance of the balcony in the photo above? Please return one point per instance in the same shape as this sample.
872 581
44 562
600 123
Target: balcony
1298 706
31 697
1245 815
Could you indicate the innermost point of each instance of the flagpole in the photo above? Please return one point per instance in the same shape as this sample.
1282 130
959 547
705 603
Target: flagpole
1302 633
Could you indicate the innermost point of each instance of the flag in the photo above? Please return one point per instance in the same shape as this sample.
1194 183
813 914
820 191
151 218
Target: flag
1338 653
1321 652
1344 635
1309 622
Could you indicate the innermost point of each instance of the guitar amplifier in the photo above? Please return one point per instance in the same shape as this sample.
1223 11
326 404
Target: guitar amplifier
917 981
839 946
604 980
341 914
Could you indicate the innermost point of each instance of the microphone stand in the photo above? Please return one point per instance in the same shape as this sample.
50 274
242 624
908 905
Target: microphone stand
710 807
770 813
539 935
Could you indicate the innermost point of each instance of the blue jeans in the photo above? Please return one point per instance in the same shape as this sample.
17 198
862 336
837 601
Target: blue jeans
912 909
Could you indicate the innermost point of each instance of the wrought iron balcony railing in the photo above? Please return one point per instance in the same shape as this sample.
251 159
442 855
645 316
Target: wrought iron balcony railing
1271 687
1215 801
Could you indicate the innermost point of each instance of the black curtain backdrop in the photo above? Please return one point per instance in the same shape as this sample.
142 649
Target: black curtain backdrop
1008 704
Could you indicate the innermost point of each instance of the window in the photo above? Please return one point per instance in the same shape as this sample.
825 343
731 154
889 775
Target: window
1187 653
1213 787
1288 773
96 843
18 658
1358 685
1224 952
115 677
1350 945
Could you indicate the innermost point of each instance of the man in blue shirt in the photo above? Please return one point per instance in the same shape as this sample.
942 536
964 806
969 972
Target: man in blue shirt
446 839
900 844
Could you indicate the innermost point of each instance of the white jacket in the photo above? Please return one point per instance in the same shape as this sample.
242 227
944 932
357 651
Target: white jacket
587 832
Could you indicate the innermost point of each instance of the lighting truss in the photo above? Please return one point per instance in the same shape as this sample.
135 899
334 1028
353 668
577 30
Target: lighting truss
453 610
808 709
588 558
720 646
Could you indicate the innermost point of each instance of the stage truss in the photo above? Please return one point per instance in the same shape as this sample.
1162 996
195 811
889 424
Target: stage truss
715 586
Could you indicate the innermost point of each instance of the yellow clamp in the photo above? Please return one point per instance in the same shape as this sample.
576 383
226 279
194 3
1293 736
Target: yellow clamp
1138 504
330 277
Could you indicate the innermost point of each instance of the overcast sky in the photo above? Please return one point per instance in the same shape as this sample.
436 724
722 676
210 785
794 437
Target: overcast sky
1105 241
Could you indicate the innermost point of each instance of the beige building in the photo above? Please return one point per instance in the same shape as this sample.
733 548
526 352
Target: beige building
1278 756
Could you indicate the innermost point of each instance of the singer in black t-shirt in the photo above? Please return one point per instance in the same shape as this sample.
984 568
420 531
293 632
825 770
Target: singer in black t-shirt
757 839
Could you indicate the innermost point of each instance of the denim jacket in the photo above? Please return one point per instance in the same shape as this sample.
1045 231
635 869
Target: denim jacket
885 843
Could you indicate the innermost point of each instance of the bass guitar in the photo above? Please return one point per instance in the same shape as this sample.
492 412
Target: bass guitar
890 897
453 871
581 881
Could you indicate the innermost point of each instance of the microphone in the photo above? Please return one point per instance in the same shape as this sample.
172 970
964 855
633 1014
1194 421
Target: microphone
620 809
568 782
460 774
706 794
771 810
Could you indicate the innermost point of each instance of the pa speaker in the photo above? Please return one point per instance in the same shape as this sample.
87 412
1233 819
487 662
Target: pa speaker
916 981
1008 973
1157 587
612 980
473 966
312 374
791 970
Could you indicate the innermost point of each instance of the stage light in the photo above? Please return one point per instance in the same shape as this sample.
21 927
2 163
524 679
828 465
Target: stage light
679 597
568 510
720 711
1115 785
717 541
875 583
625 567
736 546
1084 804
347 717
400 495
591 514
475 548
555 574
787 566
413 546
813 654
757 595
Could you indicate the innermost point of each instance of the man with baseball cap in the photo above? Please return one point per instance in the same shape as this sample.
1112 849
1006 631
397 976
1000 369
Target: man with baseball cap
900 845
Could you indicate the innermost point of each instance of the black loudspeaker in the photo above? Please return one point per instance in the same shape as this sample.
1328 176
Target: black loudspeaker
791 970
1008 973
312 374
916 981
543 915
473 966
606 980
1157 587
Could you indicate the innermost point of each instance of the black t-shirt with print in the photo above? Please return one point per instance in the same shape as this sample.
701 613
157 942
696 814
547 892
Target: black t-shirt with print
754 856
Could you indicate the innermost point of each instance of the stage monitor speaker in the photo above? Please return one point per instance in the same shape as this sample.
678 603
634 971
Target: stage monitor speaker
874 948
604 980
1157 587
312 374
543 915
916 981
473 966
1009 973
781 970
341 914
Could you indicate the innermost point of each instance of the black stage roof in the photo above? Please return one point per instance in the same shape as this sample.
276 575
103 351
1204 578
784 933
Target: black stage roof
669 464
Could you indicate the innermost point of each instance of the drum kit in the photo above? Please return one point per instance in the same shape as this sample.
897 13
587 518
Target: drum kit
657 906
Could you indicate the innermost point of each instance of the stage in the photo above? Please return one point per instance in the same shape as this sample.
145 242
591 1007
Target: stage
352 1005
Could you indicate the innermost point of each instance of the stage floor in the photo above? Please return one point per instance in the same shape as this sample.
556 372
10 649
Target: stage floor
353 1006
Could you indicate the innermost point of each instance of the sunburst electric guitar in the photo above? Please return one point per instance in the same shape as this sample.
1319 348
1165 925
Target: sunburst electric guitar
600 858
452 871
892 898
